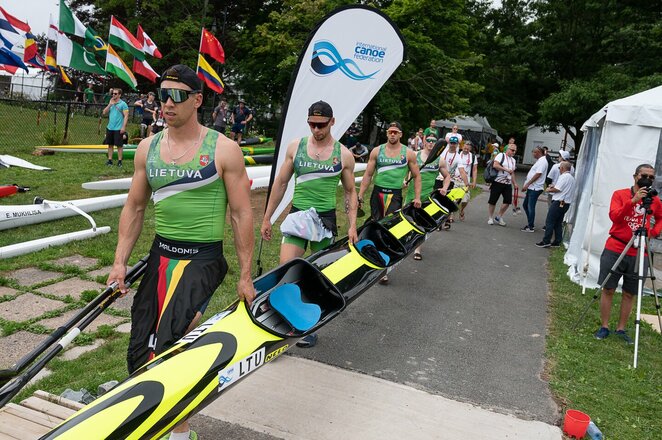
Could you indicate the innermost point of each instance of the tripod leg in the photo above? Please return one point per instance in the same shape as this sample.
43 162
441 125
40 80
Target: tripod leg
652 277
604 283
640 291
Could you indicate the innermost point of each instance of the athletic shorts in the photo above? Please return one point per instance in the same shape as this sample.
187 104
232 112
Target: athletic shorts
384 201
114 137
220 128
303 243
627 269
238 127
180 280
498 189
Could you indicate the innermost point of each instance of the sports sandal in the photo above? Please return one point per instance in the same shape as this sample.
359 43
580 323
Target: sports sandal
418 256
462 216
446 226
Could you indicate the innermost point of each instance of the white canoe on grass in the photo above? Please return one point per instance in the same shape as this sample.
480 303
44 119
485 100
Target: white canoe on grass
13 216
26 247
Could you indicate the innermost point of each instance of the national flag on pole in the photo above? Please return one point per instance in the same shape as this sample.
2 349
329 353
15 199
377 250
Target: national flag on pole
7 57
122 38
31 54
144 69
13 32
70 24
64 76
117 67
51 64
9 69
209 76
211 46
53 30
148 45
72 54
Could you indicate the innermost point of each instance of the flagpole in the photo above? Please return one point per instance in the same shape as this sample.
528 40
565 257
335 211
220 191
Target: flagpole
109 30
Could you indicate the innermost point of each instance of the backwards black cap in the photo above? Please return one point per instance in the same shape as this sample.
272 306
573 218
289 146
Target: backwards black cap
183 74
395 124
321 108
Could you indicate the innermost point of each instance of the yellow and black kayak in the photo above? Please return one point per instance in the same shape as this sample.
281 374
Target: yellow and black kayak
260 159
293 300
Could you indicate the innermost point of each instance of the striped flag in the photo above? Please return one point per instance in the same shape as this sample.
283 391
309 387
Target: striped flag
209 76
122 38
117 67
143 68
51 64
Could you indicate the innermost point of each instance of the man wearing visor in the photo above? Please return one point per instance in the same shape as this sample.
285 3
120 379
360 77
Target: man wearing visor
193 173
318 163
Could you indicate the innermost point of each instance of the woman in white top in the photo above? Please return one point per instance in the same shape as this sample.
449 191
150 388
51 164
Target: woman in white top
503 184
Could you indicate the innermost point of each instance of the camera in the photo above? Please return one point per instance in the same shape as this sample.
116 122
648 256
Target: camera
650 193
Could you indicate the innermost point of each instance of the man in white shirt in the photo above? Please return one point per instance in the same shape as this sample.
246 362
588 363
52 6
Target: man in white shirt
534 185
563 193
554 172
470 164
503 184
453 132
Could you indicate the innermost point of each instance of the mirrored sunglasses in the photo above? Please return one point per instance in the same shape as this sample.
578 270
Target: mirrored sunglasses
177 95
431 140
319 125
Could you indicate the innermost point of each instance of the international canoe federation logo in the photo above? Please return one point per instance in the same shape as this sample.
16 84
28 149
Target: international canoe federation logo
327 59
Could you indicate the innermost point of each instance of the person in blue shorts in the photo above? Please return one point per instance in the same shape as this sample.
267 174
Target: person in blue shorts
241 115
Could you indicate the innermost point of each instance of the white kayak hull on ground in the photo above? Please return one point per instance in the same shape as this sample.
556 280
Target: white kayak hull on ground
26 247
13 216
11 161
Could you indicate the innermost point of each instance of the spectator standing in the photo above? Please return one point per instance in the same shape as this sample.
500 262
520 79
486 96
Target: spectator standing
150 113
563 193
88 94
469 162
454 132
431 130
241 115
550 163
118 117
626 212
503 184
533 186
219 116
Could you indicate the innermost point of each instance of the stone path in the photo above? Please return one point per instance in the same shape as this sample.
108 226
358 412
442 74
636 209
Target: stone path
39 299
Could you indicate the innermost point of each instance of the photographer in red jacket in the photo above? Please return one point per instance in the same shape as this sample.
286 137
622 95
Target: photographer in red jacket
627 214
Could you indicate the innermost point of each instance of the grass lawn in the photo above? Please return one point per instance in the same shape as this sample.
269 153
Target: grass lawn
596 377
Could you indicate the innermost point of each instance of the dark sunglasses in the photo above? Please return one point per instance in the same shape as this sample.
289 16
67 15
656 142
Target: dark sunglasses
392 132
177 95
647 176
319 125
431 140
114 93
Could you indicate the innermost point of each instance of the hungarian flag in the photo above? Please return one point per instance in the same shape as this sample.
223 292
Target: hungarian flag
148 45
122 38
209 76
144 69
117 67
211 46
71 54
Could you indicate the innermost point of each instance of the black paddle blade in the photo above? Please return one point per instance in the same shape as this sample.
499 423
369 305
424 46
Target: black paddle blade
436 151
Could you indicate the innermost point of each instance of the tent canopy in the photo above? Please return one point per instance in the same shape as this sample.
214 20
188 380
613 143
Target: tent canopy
477 125
622 135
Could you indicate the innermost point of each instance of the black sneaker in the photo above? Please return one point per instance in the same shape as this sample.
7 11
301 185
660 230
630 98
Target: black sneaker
556 245
527 229
542 244
624 336
109 163
119 164
602 333
308 341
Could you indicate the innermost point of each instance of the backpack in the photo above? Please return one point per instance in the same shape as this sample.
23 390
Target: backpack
490 173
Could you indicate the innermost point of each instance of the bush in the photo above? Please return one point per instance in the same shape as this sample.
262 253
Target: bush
53 136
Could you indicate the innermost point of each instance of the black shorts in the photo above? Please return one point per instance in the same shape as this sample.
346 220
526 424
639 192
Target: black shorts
384 201
180 280
238 127
498 189
114 137
627 269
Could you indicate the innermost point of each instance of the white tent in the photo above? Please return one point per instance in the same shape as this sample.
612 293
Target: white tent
476 128
624 134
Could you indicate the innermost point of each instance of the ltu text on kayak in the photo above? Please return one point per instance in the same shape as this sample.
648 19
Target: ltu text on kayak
17 214
171 172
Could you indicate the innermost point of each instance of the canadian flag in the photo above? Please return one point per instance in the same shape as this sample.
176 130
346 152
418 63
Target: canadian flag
144 69
148 45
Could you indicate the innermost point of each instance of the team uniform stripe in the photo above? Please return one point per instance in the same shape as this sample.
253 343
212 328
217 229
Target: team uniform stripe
171 190
391 167
314 176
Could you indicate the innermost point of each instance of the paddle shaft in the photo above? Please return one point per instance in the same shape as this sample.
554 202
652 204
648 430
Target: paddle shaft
100 303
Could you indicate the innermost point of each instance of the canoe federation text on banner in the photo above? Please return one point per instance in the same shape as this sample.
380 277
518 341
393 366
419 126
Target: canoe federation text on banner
327 59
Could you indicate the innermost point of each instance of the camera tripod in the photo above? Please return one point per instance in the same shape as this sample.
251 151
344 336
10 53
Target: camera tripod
640 241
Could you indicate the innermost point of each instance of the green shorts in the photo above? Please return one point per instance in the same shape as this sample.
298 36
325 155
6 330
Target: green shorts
303 243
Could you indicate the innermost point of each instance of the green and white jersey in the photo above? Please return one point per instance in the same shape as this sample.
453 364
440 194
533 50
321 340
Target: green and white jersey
428 176
391 171
190 199
316 181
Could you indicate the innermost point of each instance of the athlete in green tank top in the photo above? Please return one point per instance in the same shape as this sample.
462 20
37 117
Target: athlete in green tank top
428 176
316 181
391 171
193 188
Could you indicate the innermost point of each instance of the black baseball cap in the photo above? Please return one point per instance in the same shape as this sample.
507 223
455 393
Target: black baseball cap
395 124
321 108
183 74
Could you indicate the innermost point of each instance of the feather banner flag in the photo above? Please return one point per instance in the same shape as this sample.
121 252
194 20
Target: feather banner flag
143 68
121 37
117 67
148 45
209 76
211 46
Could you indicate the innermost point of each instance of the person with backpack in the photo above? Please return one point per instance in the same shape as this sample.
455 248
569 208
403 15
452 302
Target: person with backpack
504 164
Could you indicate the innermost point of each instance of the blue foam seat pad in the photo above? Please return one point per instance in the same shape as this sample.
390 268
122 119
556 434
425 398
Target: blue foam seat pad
365 242
286 300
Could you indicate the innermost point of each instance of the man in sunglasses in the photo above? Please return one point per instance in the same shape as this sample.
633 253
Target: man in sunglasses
317 163
626 212
390 163
193 174
118 116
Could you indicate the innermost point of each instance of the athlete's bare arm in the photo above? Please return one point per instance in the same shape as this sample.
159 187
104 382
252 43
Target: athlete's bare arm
369 171
416 174
443 169
347 179
278 188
